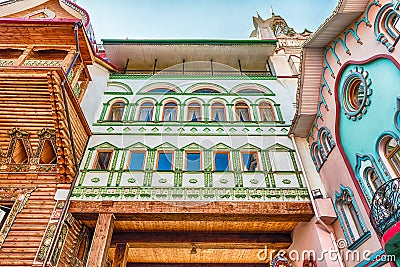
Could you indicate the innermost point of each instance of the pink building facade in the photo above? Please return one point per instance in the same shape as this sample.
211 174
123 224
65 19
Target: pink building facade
347 113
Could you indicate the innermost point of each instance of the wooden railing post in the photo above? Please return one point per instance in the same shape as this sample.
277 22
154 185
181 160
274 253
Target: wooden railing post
101 240
121 255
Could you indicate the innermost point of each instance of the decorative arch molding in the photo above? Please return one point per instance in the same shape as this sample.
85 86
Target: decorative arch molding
218 99
379 149
364 170
121 89
325 141
322 147
316 155
252 86
350 218
157 85
106 107
212 86
194 99
385 33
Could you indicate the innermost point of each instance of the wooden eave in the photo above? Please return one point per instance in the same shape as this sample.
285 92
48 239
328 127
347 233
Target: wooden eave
312 62
52 33
141 54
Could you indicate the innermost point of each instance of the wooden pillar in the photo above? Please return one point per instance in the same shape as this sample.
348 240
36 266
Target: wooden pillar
121 255
101 240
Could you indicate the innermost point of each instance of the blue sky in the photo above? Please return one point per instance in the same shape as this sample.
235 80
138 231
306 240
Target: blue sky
197 19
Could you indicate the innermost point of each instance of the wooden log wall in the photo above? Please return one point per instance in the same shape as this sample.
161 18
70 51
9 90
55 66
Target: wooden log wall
31 99
22 242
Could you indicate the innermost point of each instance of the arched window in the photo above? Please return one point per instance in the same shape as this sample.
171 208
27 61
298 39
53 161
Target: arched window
325 141
372 178
206 91
146 111
316 155
266 111
391 151
116 111
218 112
194 112
368 176
162 90
170 111
350 217
242 111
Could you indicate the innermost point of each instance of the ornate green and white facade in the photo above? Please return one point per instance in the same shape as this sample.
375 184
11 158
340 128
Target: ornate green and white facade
227 105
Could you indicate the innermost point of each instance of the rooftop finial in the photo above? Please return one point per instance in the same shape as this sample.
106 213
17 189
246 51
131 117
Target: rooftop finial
272 11
258 15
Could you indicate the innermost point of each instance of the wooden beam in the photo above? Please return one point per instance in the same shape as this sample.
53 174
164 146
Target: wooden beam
222 211
121 255
101 240
197 265
217 239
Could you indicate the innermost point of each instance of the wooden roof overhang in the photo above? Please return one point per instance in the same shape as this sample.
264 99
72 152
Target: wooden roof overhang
222 232
20 32
141 54
312 62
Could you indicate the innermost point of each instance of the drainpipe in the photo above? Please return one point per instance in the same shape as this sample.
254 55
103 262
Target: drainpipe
64 211
314 206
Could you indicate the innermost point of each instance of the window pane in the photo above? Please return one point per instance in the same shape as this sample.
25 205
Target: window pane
136 162
194 112
218 114
103 160
4 211
249 161
170 112
164 162
356 220
193 161
243 114
221 161
146 113
116 111
266 112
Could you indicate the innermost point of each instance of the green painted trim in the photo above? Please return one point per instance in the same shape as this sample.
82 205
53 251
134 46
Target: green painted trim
127 112
278 111
210 94
104 145
159 84
187 77
157 115
185 134
194 99
190 41
255 112
120 84
208 124
103 111
207 85
191 194
181 112
270 92
133 112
